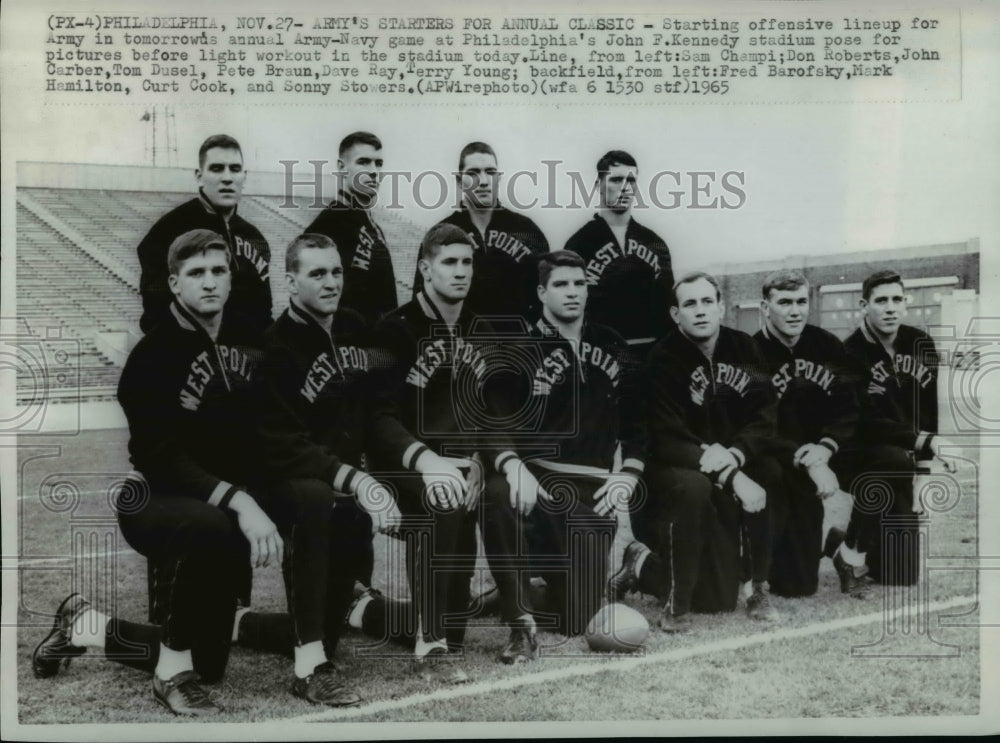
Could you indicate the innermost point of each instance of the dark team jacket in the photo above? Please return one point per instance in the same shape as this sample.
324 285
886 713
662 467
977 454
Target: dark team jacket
431 391
315 394
694 400
369 281
898 392
574 402
250 298
189 403
630 285
505 264
815 386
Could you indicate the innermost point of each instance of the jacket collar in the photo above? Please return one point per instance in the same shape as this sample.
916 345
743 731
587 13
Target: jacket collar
185 320
208 207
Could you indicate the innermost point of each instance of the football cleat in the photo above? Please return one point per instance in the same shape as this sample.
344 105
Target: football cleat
323 686
759 606
438 668
674 624
183 695
522 646
626 579
56 648
852 580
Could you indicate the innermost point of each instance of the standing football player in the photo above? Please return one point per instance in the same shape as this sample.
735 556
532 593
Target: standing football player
629 275
425 448
711 422
898 424
369 281
817 421
186 391
221 177
507 243
550 507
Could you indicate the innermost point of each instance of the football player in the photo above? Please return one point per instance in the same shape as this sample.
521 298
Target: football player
711 421
897 366
369 281
221 177
507 243
550 508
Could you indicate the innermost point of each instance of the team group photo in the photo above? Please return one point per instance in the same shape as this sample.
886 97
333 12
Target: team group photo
617 418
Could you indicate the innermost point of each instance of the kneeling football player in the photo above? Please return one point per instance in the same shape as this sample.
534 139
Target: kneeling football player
550 506
817 420
186 391
711 420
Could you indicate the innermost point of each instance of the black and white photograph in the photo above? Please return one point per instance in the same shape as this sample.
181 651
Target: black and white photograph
391 371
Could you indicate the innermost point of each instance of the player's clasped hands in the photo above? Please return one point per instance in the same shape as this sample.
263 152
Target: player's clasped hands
715 458
825 480
259 530
811 455
938 445
445 485
615 494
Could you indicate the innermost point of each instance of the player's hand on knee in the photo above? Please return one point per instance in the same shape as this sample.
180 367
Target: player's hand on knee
812 455
615 494
939 445
474 483
715 458
524 488
825 480
376 500
443 483
261 533
751 495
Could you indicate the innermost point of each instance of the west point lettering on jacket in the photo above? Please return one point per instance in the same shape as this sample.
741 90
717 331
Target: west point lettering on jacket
507 243
439 352
363 252
804 369
233 361
903 363
256 252
610 252
324 369
726 375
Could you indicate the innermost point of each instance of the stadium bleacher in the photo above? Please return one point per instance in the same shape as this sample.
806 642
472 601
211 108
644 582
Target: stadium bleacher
60 284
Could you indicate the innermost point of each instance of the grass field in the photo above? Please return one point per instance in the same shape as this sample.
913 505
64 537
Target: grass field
726 668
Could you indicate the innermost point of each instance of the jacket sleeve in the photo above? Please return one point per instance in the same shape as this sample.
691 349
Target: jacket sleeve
153 285
760 409
507 392
392 441
662 294
385 296
148 393
671 442
289 450
842 421
631 417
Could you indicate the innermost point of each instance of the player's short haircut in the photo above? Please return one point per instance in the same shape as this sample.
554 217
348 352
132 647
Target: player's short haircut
548 262
612 158
877 279
783 280
191 243
443 234
358 138
302 242
474 148
223 141
692 277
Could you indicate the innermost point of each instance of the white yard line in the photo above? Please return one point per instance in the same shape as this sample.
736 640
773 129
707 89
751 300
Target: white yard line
12 562
623 664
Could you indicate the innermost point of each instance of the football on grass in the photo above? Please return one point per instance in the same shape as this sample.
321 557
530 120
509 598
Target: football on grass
617 628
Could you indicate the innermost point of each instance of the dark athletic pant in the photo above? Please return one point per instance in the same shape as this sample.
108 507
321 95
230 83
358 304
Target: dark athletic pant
441 550
564 542
326 541
198 556
882 521
704 544
797 517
